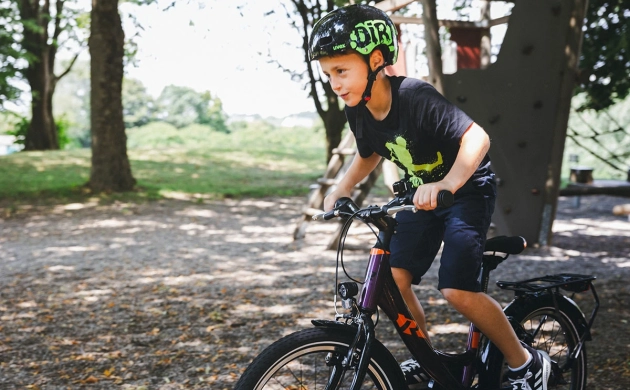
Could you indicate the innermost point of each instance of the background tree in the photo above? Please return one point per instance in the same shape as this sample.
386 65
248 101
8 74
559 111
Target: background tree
433 47
182 106
9 54
605 57
41 34
303 14
111 170
72 101
139 108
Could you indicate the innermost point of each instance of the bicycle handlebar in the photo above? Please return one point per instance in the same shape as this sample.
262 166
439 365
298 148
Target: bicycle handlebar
400 203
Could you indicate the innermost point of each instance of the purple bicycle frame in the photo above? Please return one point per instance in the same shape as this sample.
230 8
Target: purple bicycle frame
380 290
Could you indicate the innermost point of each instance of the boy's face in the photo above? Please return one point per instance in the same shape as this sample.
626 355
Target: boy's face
348 76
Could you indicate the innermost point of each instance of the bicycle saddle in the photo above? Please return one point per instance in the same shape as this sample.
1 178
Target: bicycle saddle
511 245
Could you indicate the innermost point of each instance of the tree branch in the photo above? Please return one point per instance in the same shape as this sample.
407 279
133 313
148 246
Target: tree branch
65 72
58 29
303 11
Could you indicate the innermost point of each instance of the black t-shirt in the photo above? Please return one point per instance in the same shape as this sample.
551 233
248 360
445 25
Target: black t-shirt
421 134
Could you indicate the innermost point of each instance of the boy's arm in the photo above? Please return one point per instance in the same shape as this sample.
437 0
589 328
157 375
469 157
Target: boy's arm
358 170
473 147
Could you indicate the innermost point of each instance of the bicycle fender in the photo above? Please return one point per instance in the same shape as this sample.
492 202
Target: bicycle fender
491 357
529 302
334 324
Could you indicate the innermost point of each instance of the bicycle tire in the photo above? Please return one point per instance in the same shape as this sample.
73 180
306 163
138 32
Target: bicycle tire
297 361
558 335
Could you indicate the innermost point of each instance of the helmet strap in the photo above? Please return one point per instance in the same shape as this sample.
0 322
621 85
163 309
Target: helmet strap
367 95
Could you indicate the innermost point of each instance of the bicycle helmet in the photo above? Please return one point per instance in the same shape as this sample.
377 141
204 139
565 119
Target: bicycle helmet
360 28
357 27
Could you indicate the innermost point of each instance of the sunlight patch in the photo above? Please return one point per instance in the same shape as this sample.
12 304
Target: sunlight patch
156 272
56 268
68 250
618 261
27 304
197 213
185 279
106 291
449 328
262 229
280 309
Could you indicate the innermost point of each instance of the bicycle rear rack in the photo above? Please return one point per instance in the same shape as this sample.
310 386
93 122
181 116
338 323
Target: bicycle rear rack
570 282
574 283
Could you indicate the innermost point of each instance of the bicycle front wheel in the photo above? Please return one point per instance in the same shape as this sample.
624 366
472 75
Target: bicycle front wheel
554 331
305 360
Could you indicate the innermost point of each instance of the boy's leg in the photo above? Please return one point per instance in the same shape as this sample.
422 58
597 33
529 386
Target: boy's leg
414 245
403 279
487 315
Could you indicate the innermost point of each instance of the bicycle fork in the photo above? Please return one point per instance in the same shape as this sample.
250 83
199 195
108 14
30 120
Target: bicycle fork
380 290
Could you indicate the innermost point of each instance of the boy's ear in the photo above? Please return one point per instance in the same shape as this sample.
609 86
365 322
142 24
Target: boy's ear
376 59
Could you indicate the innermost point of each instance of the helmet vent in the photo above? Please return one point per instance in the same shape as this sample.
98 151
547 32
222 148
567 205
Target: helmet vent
325 41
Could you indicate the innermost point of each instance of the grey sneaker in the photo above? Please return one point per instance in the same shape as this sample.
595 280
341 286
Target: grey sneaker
414 374
535 375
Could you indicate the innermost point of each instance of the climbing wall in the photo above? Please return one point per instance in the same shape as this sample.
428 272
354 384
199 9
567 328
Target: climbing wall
522 100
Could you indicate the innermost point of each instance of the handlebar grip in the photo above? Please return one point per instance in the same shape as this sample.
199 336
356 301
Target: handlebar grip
445 198
330 215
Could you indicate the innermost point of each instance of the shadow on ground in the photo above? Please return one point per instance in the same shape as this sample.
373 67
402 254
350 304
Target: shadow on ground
170 295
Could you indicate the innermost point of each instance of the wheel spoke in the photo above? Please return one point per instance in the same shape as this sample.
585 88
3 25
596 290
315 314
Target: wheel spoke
550 328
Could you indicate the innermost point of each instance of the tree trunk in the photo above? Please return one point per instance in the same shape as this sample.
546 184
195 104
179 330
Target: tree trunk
110 165
432 39
42 134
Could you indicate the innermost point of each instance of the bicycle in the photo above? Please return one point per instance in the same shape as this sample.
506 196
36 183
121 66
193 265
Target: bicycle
345 354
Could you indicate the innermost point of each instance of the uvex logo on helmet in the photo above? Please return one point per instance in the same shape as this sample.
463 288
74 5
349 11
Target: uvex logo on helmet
366 36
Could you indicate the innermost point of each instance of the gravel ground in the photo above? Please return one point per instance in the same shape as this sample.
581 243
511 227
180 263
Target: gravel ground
172 294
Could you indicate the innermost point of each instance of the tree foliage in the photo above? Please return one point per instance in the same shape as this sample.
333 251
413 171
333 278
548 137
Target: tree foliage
139 108
31 35
605 58
182 106
10 54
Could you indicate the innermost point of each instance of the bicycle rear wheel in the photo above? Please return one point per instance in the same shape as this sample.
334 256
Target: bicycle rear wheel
305 359
553 331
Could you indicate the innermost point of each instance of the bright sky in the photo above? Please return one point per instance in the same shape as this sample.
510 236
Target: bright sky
223 48
216 48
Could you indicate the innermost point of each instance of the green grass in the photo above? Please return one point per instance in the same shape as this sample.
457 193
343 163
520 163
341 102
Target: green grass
195 163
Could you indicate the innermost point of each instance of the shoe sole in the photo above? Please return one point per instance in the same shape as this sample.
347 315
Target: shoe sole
546 362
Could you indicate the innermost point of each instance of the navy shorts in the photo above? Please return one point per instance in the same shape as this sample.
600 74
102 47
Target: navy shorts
462 227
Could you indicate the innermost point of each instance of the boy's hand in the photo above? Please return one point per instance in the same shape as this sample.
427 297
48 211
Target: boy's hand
426 195
330 199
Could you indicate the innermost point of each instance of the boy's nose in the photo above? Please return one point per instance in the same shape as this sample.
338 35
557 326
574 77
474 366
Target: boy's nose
336 86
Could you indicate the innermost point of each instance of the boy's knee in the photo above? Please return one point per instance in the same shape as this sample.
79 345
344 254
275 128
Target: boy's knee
457 298
403 278
449 294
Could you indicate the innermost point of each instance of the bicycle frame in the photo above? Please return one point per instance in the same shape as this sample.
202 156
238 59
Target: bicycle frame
381 290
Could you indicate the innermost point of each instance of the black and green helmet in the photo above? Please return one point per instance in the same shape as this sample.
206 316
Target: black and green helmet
355 27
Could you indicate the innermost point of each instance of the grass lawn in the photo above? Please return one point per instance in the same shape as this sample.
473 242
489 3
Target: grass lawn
194 162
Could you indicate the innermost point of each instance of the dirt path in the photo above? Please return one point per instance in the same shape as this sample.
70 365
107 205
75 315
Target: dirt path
171 295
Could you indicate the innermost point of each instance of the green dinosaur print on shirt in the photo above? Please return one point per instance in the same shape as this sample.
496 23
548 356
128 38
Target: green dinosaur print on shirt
401 154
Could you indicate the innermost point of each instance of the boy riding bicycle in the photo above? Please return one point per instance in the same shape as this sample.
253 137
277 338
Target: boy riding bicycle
439 148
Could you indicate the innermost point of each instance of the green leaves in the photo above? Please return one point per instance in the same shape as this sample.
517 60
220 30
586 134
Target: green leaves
9 54
182 106
606 54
